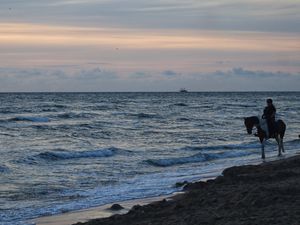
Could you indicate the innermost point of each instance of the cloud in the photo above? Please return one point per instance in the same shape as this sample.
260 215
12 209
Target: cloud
41 45
240 79
169 73
205 45
46 73
94 74
140 75
57 79
166 74
253 74
98 79
263 15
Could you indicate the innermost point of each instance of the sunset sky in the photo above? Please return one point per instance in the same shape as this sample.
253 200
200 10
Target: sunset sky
158 45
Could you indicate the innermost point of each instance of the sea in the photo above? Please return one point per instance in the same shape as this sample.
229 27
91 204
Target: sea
61 152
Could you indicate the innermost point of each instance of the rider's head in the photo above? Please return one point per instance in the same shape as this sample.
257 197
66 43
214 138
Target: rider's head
269 101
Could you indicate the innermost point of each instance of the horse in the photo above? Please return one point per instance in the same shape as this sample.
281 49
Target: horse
279 132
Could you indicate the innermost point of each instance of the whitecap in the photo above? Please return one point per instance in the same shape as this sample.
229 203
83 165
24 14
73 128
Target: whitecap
241 146
63 155
31 119
200 157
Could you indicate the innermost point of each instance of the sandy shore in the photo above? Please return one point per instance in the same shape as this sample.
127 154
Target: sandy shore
96 212
268 193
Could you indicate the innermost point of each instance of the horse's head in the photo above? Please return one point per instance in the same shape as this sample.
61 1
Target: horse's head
249 123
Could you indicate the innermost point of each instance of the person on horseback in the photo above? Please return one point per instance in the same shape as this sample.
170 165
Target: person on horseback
269 115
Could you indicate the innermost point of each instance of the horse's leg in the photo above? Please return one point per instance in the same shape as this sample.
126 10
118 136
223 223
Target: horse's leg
263 150
281 143
262 141
278 139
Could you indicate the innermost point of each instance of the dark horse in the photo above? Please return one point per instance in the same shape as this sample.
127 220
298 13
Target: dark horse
279 131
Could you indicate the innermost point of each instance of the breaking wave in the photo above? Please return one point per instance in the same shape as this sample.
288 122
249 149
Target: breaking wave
146 116
180 104
183 119
200 157
64 155
30 119
240 105
73 115
222 147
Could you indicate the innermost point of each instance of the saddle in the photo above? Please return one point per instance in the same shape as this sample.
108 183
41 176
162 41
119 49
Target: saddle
264 126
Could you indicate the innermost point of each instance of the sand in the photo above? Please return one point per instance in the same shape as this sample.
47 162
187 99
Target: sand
263 194
104 211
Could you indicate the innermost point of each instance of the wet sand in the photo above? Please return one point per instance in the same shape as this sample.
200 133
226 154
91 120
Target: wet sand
104 211
268 193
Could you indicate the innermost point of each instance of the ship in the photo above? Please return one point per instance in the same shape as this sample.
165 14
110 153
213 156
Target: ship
183 90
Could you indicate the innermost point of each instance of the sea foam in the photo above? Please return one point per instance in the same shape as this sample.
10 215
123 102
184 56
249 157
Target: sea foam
64 155
31 119
200 157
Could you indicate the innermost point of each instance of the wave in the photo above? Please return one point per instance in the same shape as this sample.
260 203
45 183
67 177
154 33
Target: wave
180 104
6 111
239 105
30 119
66 115
72 115
146 115
64 155
294 141
183 119
200 157
293 144
7 135
60 106
222 147
103 107
4 169
52 107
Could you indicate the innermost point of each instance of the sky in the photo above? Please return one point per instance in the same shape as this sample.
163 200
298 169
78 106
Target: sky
158 45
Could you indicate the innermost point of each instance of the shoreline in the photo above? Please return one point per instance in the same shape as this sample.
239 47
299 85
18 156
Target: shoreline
267 193
96 213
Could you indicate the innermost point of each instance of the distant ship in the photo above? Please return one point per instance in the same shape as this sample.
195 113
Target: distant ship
183 90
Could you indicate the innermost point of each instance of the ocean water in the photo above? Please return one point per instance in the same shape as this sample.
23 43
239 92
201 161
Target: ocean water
68 151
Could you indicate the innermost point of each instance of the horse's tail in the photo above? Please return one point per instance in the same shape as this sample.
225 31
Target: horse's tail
281 128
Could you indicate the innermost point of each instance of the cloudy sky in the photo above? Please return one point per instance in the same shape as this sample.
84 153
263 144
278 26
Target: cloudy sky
158 45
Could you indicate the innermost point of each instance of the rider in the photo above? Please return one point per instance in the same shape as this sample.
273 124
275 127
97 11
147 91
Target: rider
269 115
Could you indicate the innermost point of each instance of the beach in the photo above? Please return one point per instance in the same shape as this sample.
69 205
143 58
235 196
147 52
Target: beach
63 154
103 211
268 193
142 105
